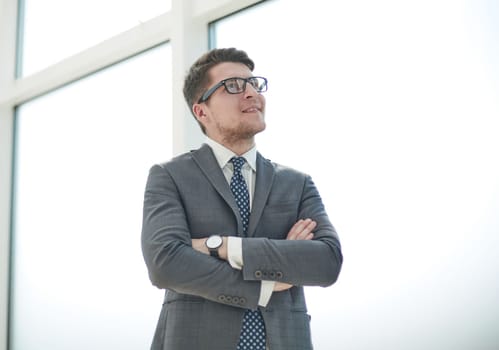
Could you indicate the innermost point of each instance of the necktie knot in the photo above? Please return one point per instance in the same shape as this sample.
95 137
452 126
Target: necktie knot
238 163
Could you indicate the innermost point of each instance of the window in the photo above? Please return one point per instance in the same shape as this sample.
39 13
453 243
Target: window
83 154
49 38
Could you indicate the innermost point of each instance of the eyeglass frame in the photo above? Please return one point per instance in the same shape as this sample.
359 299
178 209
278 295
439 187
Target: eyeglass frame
204 97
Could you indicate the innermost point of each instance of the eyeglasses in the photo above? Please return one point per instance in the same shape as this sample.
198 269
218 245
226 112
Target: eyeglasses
236 86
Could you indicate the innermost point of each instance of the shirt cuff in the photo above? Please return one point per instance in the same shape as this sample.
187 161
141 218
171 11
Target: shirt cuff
266 292
235 257
235 252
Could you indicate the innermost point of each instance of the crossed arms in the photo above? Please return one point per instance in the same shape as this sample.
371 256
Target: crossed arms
301 230
182 208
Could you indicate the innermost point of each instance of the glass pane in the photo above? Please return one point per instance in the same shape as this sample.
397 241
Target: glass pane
56 29
395 118
83 155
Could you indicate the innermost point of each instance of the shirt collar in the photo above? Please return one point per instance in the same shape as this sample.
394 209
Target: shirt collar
223 154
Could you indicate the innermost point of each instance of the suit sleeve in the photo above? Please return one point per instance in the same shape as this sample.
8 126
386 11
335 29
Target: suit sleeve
172 262
315 262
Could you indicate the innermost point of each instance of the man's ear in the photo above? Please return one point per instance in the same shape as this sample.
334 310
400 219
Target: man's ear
198 111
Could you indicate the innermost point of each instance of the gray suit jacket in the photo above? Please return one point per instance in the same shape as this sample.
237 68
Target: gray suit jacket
189 197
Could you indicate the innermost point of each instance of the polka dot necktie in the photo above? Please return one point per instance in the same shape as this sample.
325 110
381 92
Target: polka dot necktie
253 331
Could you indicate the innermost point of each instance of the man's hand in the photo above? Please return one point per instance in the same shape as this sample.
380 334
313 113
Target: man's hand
281 286
301 231
199 244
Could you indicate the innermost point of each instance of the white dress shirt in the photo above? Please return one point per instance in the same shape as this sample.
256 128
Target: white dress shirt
234 244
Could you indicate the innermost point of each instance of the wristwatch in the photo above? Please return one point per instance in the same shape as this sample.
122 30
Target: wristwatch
213 243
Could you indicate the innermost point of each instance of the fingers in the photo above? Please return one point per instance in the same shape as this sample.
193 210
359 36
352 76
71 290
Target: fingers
280 286
302 230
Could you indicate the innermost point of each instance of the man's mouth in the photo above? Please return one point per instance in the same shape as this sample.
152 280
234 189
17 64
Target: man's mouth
251 110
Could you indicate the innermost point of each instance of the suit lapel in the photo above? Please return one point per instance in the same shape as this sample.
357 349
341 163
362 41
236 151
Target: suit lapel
208 164
264 179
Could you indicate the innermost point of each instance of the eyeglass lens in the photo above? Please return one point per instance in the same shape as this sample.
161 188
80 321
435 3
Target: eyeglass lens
238 85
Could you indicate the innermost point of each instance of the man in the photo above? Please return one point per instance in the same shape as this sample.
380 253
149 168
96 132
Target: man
231 236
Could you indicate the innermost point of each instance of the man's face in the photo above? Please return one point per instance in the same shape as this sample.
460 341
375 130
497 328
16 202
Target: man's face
230 118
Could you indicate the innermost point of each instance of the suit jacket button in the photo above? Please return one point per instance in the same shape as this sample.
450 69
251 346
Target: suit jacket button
242 301
235 300
221 298
279 274
272 274
258 274
228 299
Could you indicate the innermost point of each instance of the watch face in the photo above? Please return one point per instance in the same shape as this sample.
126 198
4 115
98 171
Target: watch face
214 242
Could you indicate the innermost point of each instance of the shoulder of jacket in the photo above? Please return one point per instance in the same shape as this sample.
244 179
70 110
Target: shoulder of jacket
284 170
183 158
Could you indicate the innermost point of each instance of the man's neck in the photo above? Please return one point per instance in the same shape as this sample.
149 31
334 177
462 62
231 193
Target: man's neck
239 147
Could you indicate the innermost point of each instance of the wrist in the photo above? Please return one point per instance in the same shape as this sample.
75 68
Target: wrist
217 246
213 243
222 251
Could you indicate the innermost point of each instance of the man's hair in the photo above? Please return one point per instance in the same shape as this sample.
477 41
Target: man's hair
197 79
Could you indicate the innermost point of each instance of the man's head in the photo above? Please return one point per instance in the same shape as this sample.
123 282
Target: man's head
197 79
226 108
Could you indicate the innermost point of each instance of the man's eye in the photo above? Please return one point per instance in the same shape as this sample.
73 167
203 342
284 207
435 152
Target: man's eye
231 85
234 85
254 83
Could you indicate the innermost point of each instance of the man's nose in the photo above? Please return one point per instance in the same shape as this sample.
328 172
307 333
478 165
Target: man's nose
250 91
